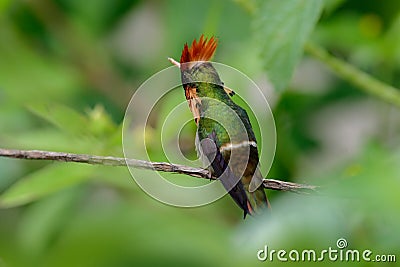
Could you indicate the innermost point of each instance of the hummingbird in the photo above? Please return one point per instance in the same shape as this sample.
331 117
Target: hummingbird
224 138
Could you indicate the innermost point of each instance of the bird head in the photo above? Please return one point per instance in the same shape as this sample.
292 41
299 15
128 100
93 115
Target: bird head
194 63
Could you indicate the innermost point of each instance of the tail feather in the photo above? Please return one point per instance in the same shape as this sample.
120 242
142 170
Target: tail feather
239 195
258 200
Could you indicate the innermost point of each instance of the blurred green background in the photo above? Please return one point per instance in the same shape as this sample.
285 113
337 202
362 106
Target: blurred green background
68 69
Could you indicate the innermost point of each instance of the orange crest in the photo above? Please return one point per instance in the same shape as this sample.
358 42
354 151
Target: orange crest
199 51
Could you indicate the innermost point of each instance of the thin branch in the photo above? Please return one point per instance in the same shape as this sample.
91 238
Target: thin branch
357 77
155 166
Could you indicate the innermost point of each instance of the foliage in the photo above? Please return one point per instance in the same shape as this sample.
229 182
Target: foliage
282 49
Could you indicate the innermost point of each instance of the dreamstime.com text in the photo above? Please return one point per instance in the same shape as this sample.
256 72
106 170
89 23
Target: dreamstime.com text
340 253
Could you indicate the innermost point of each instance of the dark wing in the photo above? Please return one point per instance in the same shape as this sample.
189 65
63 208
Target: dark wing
221 170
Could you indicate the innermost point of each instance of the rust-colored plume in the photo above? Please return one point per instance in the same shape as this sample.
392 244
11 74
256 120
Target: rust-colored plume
199 51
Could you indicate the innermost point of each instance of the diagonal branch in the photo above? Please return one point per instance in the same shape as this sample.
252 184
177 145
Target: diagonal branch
155 166
357 77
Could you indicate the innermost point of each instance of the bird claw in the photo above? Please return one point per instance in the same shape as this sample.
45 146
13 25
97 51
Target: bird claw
209 176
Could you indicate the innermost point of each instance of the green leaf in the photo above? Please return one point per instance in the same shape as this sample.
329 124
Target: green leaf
44 182
63 117
96 125
281 30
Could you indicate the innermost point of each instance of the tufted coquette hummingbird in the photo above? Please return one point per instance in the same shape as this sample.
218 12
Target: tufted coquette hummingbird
224 139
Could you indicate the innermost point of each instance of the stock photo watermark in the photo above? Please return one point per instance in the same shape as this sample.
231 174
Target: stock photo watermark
339 253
